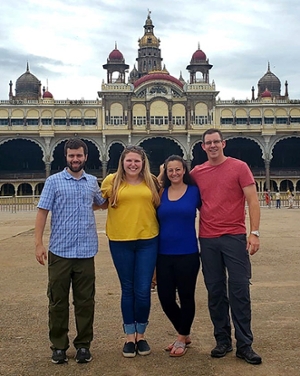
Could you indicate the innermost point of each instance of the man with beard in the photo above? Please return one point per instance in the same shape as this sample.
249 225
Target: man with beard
71 196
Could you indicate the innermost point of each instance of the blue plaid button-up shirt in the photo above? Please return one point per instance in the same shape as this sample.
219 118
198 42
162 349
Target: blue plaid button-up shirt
73 225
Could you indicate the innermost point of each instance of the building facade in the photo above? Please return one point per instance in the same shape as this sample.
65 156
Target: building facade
151 108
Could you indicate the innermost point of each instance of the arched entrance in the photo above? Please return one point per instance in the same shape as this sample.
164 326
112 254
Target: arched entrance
7 190
21 158
158 150
114 155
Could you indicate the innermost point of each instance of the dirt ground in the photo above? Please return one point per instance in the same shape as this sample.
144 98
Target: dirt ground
24 345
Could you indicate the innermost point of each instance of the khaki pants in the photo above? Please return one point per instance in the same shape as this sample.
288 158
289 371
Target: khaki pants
63 272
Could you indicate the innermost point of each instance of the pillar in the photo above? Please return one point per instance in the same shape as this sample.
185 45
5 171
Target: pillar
104 169
267 169
48 169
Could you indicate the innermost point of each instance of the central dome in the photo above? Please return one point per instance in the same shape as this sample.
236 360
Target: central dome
158 76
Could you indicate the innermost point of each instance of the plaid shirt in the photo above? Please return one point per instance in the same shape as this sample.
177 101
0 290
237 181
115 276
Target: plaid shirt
73 225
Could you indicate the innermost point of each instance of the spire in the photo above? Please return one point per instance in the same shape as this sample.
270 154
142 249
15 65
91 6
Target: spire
27 68
269 70
198 45
286 89
116 46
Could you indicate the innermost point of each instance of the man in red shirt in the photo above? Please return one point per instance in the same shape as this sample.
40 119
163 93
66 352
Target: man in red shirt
225 183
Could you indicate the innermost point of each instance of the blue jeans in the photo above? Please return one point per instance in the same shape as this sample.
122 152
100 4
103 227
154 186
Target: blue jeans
135 263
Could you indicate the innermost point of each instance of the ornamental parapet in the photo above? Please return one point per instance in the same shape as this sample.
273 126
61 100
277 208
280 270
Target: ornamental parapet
200 87
117 87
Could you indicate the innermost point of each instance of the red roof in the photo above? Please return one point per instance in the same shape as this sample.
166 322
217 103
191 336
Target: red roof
157 76
199 55
115 55
266 94
47 94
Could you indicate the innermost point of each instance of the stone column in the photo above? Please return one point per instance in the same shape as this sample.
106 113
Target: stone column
267 168
188 162
48 169
104 169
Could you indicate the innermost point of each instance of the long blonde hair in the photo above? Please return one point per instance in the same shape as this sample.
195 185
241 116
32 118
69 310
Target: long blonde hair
120 176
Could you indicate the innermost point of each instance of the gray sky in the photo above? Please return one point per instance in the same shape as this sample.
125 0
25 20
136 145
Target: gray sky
66 42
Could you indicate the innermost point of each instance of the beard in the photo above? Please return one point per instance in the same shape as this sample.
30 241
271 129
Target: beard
77 167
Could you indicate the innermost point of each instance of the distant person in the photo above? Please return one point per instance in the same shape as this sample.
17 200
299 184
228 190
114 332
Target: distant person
178 252
70 195
132 230
224 183
290 199
268 198
278 200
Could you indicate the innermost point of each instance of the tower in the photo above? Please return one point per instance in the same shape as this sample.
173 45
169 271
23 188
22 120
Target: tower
149 54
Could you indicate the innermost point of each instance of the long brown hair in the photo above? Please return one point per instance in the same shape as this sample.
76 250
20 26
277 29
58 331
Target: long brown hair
149 178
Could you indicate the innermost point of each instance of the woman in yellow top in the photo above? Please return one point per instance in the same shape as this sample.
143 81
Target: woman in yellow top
132 230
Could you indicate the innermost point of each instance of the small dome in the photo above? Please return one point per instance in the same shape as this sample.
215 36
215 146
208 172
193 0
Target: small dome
47 95
134 73
266 94
198 55
116 55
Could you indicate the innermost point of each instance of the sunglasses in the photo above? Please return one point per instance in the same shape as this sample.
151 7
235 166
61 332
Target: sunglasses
134 148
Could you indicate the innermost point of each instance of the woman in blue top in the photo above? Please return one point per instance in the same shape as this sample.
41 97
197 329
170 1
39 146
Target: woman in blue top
178 260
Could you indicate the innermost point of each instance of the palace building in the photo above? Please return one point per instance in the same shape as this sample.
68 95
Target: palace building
145 105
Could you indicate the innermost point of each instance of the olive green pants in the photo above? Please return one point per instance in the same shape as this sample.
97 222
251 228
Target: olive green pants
62 273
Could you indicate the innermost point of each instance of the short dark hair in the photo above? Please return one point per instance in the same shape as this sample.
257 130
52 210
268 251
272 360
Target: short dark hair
187 179
75 143
211 131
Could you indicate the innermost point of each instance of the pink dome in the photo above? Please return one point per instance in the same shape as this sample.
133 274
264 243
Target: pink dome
115 55
47 94
158 76
198 55
266 94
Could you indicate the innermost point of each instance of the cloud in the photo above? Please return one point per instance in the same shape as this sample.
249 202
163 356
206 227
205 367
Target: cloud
67 42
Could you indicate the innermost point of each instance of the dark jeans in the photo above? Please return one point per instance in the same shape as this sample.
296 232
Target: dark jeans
178 272
61 273
135 262
227 271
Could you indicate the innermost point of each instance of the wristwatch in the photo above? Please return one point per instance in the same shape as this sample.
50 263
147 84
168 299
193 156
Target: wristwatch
255 232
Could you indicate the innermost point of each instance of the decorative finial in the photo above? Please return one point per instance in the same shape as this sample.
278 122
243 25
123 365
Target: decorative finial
198 45
268 66
27 68
149 13
115 45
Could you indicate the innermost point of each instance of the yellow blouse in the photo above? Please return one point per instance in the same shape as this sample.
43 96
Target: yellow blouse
135 215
